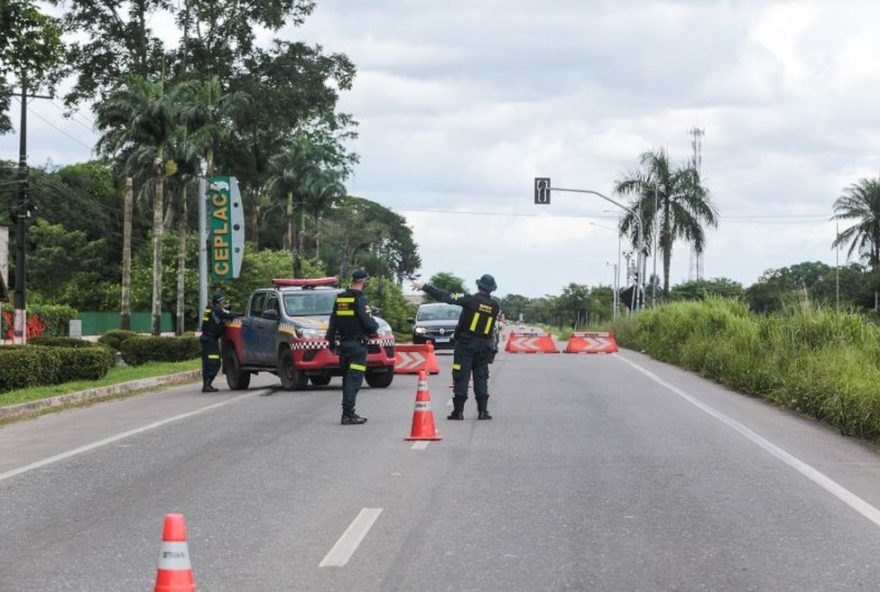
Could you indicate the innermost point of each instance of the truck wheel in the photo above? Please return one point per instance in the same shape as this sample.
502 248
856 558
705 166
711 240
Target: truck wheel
320 380
236 378
291 378
380 379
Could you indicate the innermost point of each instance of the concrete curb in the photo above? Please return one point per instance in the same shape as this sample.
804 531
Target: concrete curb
98 393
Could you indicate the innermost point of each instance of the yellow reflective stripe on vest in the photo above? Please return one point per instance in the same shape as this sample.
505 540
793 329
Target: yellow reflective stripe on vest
345 300
488 325
358 367
475 321
344 313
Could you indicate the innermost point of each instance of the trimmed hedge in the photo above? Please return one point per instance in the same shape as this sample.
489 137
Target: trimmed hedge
142 349
35 365
115 338
60 341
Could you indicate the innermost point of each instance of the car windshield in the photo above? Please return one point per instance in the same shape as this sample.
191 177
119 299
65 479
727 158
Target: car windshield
309 303
439 312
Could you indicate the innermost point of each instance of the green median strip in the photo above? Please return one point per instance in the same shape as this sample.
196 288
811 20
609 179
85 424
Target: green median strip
115 376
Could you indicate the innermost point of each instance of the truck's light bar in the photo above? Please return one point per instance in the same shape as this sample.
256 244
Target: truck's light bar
306 283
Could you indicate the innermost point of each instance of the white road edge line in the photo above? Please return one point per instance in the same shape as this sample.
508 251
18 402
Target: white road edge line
111 439
351 539
421 445
817 477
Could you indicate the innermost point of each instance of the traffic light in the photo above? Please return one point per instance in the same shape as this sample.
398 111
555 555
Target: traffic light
542 190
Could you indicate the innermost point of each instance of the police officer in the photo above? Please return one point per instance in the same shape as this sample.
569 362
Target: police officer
214 321
475 343
351 325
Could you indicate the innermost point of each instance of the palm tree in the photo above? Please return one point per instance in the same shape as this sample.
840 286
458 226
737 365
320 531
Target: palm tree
137 119
860 202
682 206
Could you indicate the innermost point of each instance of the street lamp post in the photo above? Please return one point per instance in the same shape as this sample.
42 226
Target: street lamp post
616 290
639 239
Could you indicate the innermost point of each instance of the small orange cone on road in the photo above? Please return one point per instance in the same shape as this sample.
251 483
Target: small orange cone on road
423 417
175 570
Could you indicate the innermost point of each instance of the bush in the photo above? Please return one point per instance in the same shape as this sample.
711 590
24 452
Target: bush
115 338
34 365
142 349
47 319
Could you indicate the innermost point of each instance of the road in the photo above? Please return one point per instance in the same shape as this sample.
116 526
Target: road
599 472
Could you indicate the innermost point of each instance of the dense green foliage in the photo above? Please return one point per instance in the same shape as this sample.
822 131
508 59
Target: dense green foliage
142 349
114 339
813 360
38 365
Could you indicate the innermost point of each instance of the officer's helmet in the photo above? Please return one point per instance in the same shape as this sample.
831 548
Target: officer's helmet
487 283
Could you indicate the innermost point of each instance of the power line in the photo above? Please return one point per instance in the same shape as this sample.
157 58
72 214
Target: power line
58 129
73 116
756 219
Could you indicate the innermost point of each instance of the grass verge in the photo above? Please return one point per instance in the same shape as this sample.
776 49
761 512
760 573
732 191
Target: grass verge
116 375
819 362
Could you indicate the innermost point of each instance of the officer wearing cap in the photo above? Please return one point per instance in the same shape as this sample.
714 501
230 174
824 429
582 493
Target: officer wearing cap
351 326
214 321
475 344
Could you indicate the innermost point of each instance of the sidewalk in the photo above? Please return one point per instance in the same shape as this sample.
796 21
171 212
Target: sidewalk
98 393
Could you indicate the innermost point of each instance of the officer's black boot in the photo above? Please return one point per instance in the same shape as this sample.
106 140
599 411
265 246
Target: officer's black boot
457 408
349 417
207 388
482 408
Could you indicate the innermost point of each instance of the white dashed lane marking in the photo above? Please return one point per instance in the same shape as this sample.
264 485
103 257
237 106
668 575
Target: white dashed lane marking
351 539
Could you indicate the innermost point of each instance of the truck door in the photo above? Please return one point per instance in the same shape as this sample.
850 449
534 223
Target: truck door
251 329
269 332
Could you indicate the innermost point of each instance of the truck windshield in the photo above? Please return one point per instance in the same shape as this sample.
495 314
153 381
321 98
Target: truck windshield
309 303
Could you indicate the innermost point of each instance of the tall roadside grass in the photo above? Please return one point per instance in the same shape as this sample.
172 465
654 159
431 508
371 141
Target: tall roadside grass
820 362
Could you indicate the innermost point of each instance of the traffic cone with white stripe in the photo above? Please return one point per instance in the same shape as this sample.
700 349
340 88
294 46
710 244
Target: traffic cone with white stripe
175 570
423 417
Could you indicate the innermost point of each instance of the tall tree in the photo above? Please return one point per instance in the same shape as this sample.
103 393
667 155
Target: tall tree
682 209
30 47
860 203
137 120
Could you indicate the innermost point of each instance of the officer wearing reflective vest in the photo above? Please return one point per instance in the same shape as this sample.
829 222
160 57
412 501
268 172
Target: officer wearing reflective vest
475 343
214 321
351 326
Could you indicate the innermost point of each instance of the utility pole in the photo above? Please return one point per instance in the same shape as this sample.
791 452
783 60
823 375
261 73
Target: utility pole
128 199
22 212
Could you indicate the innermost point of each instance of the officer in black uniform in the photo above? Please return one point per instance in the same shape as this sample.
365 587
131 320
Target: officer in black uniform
351 325
475 343
214 321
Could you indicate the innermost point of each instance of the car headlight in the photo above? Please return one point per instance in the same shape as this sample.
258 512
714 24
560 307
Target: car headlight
305 333
385 331
420 330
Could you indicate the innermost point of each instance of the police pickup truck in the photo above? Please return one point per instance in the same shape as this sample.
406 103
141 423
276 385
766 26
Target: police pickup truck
283 331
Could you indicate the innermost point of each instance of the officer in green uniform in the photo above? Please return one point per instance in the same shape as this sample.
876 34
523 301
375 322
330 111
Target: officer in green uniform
475 343
214 321
351 326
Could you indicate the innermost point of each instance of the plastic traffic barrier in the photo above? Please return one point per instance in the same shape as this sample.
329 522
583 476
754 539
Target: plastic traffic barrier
591 343
530 343
413 358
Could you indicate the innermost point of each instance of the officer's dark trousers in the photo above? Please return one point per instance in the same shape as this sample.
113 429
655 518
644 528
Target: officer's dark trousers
471 357
353 359
210 358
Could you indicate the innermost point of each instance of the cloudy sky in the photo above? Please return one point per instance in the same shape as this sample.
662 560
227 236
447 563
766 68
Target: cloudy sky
462 103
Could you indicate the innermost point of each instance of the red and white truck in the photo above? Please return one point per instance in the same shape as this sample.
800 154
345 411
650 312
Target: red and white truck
282 332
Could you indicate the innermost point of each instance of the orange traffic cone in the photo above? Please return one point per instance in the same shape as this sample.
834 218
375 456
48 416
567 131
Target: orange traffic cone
175 571
423 417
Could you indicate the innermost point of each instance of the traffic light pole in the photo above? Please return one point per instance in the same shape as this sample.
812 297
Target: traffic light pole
640 253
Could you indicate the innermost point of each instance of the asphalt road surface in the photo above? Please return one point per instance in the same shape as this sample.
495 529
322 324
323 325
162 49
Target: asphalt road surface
598 472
